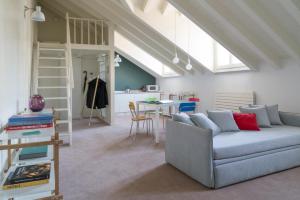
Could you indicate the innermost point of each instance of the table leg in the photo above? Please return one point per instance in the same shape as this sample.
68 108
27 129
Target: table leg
156 129
137 113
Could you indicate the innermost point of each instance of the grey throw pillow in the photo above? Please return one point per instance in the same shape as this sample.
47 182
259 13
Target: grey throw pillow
183 118
203 121
224 119
261 115
273 113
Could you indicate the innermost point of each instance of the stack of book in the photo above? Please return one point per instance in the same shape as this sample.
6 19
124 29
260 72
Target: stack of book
29 121
30 175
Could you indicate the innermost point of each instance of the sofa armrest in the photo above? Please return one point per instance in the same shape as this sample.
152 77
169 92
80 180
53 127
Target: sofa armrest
190 149
290 119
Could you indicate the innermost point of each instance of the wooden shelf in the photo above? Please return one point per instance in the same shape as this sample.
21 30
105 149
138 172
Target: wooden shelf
13 142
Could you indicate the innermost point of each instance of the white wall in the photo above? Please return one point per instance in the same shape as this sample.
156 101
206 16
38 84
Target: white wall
16 37
272 86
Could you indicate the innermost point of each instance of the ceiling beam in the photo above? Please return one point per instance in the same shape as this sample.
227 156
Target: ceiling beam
136 62
269 27
196 13
165 7
292 9
147 5
128 5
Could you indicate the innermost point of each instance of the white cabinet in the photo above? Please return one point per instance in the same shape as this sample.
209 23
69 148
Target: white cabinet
122 100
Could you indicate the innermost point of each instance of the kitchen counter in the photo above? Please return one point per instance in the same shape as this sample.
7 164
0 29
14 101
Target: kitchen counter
122 99
134 92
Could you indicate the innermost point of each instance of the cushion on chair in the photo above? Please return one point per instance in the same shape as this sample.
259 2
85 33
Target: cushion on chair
261 115
183 118
246 121
203 121
224 119
273 113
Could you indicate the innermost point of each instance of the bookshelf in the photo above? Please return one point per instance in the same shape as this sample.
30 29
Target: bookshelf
13 142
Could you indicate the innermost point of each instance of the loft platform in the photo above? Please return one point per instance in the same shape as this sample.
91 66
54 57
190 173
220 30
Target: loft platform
86 33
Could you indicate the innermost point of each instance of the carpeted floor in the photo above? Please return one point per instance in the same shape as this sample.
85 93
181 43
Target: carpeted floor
103 163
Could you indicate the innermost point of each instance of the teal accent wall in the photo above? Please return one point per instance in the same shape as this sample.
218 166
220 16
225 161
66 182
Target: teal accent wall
129 75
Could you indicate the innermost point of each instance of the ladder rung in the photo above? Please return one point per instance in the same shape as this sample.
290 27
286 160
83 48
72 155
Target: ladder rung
60 109
52 67
55 98
50 49
52 58
51 87
52 77
62 121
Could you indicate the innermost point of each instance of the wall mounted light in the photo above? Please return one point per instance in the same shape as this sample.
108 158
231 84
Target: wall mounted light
37 14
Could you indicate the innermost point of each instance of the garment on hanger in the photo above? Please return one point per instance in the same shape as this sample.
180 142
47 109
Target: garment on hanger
101 98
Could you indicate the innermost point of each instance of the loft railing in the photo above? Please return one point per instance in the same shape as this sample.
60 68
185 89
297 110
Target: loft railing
87 31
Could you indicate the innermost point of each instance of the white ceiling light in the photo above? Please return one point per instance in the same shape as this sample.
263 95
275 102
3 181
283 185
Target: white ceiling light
189 65
37 14
118 58
175 59
116 64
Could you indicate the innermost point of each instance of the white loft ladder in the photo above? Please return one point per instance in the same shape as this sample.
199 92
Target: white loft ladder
52 79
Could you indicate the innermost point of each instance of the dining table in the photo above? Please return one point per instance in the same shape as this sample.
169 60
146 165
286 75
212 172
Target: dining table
157 106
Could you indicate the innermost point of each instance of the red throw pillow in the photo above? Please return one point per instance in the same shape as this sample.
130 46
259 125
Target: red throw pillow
246 121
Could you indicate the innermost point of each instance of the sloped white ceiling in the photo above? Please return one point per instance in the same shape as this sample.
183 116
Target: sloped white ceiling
259 32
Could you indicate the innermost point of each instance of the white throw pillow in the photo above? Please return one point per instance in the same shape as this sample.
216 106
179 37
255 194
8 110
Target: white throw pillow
183 118
273 113
224 119
203 121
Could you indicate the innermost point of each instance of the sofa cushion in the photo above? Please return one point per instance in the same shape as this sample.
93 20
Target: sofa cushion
224 120
235 144
273 113
261 115
203 121
246 121
183 118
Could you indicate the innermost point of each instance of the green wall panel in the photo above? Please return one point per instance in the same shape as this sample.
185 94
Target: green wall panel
129 75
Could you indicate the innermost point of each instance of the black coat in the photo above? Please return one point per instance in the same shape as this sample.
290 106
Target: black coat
101 99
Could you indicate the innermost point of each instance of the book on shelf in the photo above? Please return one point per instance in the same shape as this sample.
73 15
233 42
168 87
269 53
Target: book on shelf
33 122
29 175
30 117
33 152
36 126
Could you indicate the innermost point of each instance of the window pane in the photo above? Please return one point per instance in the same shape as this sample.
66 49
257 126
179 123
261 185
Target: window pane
222 56
235 60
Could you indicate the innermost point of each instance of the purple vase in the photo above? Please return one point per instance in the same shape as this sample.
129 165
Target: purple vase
36 103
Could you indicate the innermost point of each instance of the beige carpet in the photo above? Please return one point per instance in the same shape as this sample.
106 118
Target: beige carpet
103 163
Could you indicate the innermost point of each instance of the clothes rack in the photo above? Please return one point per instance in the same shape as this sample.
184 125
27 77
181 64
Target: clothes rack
94 96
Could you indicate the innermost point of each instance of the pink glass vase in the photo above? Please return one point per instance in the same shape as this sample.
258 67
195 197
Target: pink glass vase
36 103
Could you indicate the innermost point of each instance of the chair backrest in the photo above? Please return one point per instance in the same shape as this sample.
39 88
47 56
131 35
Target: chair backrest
132 109
187 107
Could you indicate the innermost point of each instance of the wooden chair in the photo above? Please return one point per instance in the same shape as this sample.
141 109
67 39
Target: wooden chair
137 118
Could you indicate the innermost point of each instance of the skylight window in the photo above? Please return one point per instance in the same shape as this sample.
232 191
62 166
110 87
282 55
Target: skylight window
203 47
142 56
